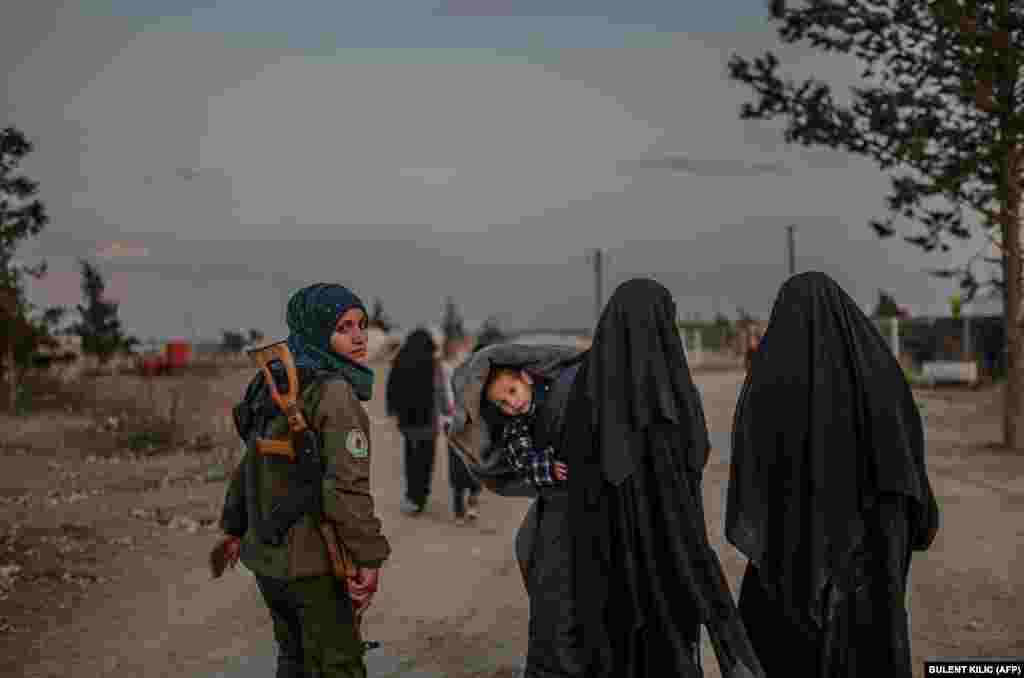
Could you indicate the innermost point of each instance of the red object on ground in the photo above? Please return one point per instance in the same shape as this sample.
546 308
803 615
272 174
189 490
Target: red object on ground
178 354
152 364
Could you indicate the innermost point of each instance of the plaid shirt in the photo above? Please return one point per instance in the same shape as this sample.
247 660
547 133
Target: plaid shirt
536 466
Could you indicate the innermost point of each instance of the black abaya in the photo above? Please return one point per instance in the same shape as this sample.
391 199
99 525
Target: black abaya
828 493
412 392
646 576
865 630
554 632
411 389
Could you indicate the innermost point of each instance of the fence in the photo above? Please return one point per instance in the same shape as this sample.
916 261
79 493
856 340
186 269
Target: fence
706 336
969 338
710 346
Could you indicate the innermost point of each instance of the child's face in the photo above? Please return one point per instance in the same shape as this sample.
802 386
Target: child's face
511 392
349 338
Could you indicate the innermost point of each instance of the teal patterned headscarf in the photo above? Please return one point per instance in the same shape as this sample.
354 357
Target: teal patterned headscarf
312 315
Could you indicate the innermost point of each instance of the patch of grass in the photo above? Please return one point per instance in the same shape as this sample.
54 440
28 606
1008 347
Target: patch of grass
139 441
22 400
912 373
36 393
480 664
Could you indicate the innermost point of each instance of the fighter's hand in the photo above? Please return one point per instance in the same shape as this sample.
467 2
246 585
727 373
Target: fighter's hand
561 471
225 554
362 586
233 549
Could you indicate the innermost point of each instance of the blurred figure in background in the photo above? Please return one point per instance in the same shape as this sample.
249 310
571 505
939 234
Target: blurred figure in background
753 341
416 397
465 489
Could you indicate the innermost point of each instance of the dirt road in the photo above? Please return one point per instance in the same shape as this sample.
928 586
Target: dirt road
89 588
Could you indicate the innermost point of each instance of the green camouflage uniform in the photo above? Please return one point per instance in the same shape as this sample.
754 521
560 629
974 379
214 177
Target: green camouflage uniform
311 609
296 578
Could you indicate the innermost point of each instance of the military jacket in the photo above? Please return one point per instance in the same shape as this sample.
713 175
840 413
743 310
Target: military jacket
333 410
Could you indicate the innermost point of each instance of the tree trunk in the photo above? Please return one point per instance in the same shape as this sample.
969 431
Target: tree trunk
12 377
9 321
1013 432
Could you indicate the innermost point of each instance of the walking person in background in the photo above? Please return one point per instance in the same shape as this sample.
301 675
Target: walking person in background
465 489
828 492
753 341
416 397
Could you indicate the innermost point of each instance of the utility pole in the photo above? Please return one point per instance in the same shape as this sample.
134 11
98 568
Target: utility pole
598 258
792 248
191 327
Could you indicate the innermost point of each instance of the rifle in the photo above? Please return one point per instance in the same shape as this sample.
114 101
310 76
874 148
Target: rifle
278 366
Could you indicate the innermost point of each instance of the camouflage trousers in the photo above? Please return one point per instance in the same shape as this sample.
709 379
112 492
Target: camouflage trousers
314 628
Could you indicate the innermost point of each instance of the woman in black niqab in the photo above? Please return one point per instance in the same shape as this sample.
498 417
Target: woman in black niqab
828 492
411 382
413 396
646 577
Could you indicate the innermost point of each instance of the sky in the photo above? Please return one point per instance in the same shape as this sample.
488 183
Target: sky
213 157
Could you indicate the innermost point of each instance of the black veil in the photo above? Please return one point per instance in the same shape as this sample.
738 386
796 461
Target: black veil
637 375
411 381
802 478
646 578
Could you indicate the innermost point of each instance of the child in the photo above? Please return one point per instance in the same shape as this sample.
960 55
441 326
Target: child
517 393
465 489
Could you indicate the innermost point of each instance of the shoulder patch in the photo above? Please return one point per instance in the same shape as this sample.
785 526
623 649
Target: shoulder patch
357 444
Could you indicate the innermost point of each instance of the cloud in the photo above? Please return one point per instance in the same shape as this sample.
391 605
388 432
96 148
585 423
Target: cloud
63 287
523 140
432 176
325 169
657 14
477 8
57 288
118 249
712 167
117 288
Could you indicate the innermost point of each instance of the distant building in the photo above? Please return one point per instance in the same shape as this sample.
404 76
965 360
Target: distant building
929 339
207 347
553 338
147 348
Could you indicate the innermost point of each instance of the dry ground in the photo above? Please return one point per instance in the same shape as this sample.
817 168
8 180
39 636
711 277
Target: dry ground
102 550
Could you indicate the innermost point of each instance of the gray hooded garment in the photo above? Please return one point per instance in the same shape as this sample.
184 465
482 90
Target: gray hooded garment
473 437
